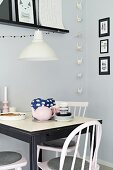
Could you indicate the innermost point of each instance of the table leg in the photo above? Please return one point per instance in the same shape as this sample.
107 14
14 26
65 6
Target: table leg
40 157
33 154
94 144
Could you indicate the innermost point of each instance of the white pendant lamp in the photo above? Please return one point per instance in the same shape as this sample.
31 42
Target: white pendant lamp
38 50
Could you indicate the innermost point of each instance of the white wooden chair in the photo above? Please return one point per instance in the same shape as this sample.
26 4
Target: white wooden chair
11 160
88 161
78 109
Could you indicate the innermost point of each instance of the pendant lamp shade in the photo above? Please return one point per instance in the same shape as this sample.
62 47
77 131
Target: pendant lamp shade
38 50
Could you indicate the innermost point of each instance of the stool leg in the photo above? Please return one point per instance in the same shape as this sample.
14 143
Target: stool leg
38 153
56 154
19 168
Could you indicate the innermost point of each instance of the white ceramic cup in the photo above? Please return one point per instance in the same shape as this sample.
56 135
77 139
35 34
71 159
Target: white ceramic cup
12 109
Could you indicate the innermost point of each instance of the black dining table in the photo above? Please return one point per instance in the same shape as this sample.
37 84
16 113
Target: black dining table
35 132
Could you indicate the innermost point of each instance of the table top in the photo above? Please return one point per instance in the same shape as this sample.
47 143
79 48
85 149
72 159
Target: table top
34 125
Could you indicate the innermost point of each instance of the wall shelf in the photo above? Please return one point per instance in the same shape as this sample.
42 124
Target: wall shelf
33 26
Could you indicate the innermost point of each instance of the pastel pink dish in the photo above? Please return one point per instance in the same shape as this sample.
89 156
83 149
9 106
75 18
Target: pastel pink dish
42 113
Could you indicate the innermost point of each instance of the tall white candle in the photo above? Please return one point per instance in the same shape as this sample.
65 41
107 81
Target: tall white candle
5 93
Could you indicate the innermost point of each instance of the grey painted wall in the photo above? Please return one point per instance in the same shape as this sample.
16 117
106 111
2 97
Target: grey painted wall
27 80
57 79
100 88
44 79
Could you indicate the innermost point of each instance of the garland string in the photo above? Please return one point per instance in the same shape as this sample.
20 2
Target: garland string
15 36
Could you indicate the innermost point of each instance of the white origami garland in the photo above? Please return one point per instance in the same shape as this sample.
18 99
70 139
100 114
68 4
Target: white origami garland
79 46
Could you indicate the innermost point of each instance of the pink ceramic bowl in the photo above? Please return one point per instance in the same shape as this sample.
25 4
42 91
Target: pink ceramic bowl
42 113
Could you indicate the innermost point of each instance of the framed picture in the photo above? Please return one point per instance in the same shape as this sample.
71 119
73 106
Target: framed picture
104 65
104 46
25 11
104 27
6 10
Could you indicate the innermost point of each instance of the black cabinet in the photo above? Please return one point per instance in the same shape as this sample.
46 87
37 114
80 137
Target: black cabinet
24 14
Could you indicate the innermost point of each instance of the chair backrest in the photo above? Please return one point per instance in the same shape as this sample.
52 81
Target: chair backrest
93 152
77 108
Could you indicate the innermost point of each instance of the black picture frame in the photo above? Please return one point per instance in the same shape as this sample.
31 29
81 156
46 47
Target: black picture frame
6 10
28 15
104 27
104 46
104 65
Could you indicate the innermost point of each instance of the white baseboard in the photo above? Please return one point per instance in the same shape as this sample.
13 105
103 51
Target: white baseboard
108 164
105 163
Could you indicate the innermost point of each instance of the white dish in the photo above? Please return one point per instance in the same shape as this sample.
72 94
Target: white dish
12 116
63 118
64 108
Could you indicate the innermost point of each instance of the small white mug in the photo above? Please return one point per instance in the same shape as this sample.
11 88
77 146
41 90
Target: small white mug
12 109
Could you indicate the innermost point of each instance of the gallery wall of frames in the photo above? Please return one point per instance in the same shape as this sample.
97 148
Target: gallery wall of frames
25 13
104 60
33 14
80 45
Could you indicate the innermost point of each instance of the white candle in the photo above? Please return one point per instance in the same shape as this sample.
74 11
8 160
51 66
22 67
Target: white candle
5 93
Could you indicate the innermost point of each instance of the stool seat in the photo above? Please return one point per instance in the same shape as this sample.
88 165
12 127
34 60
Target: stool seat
8 157
58 143
54 163
11 160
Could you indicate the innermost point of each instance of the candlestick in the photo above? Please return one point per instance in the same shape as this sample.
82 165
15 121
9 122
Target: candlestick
5 107
5 93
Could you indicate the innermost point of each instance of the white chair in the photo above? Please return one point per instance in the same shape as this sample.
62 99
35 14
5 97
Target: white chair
78 109
11 160
88 161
